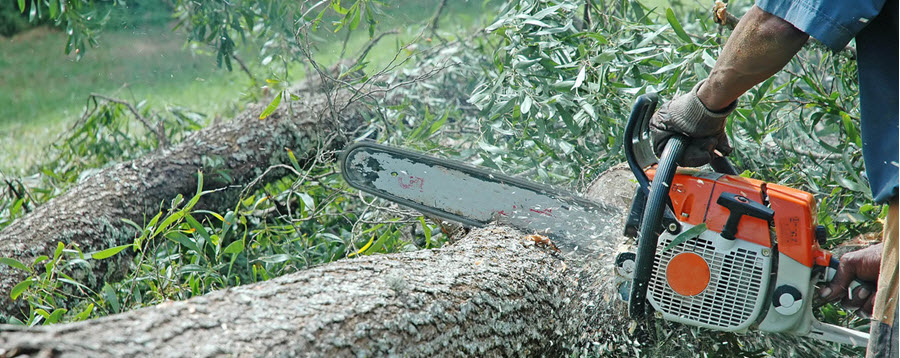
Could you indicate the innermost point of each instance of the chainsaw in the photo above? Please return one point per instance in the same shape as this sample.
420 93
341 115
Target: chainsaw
714 249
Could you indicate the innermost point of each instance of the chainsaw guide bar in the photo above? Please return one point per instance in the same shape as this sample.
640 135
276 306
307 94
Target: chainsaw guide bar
459 192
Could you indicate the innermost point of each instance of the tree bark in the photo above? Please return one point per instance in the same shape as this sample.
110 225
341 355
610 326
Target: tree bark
494 293
90 214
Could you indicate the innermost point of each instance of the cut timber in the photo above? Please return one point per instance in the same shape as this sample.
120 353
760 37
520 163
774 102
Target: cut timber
90 213
494 293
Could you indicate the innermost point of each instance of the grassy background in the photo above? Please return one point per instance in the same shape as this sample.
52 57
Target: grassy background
45 90
140 58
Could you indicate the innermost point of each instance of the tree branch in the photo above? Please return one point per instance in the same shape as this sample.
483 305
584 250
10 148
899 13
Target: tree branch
158 129
435 18
365 51
243 67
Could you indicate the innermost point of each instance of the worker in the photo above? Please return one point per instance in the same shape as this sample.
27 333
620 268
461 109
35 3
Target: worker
763 42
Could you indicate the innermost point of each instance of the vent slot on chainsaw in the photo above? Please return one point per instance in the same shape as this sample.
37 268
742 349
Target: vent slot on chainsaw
730 301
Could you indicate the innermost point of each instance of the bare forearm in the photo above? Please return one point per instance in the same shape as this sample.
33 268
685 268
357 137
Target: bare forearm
760 46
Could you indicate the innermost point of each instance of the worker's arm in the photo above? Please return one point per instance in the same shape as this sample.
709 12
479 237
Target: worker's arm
759 47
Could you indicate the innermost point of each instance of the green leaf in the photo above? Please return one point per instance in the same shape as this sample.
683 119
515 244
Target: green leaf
184 241
59 249
168 222
686 235
356 15
526 104
439 123
336 5
21 287
154 220
132 224
22 6
100 255
235 247
271 107
84 314
198 228
427 230
378 245
272 259
579 79
40 259
56 315
670 15
111 298
54 8
14 264
191 268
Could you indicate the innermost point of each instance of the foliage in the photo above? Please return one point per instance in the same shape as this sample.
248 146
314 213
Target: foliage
79 18
541 93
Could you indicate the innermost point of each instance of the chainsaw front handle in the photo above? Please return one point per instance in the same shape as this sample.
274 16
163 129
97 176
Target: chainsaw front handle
639 154
651 228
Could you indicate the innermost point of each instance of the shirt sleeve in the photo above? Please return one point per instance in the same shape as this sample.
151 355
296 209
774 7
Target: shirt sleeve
832 22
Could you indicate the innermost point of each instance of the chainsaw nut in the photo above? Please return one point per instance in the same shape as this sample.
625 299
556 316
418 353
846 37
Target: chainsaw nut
673 228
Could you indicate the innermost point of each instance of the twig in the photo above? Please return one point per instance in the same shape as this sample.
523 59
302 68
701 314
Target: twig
365 50
158 130
435 18
18 194
243 67
587 14
344 43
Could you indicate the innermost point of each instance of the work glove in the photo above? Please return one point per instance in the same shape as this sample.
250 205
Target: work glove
705 130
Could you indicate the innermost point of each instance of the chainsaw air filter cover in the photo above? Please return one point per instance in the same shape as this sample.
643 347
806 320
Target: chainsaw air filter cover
709 281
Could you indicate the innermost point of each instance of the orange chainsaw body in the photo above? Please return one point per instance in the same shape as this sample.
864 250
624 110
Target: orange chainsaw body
693 195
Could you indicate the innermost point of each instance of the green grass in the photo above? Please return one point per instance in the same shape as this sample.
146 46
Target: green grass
44 90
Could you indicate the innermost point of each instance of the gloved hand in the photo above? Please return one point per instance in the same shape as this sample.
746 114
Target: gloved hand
686 115
863 265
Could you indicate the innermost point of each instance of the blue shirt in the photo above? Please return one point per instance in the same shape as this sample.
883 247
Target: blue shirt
874 25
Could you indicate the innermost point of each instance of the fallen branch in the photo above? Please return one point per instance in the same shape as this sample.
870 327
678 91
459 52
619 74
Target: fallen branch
90 214
494 293
158 130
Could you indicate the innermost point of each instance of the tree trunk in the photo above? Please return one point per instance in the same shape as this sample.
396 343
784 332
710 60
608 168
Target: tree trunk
494 293
90 214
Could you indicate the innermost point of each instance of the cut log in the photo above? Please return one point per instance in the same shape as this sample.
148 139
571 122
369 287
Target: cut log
90 213
494 293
